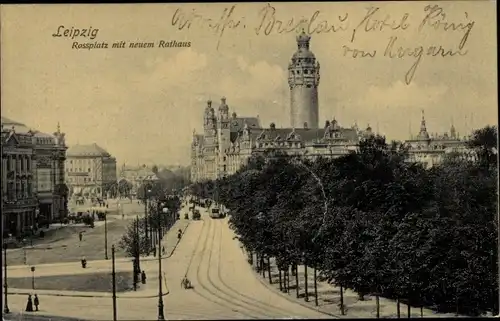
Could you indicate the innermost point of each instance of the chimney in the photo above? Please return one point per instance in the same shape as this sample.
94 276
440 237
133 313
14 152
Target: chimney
272 126
305 125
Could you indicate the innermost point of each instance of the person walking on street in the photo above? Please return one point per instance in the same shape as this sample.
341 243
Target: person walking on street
163 250
36 302
80 235
29 305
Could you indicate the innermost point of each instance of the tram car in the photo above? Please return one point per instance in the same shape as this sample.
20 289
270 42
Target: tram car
216 213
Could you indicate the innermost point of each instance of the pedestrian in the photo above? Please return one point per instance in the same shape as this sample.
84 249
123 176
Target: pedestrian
143 277
163 250
154 251
80 235
29 305
36 302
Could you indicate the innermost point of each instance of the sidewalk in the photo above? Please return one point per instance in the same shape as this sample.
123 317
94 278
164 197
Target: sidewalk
329 298
149 290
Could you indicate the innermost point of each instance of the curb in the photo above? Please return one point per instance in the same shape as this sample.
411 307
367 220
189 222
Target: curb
296 301
121 259
147 258
107 294
104 295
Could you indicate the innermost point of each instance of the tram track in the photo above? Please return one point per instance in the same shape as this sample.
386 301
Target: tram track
224 304
244 297
225 296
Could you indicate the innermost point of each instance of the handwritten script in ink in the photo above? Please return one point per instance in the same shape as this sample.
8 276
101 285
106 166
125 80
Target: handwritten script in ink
434 20
375 21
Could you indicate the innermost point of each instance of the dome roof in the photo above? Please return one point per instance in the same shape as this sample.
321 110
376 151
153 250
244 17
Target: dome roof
87 150
303 51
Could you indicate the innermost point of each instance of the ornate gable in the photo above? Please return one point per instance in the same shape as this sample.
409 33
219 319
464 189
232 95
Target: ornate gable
12 139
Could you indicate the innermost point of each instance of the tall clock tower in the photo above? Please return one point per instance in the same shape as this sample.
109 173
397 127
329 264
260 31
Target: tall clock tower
303 78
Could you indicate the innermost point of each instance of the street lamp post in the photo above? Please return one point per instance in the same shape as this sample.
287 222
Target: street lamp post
106 236
146 215
137 267
33 278
6 305
113 274
161 315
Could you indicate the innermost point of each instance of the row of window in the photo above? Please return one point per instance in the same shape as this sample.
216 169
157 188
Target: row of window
19 190
76 170
19 163
79 179
306 71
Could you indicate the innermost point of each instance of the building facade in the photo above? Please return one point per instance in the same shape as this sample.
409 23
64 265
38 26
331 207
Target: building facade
19 202
432 149
52 192
90 171
136 176
227 142
38 176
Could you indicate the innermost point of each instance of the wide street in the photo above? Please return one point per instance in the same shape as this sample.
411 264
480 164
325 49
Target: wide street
225 287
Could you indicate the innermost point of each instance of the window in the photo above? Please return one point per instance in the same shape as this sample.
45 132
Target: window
89 169
224 158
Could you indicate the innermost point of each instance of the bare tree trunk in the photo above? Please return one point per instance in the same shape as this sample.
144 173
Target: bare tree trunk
288 280
315 287
296 266
269 270
408 308
398 307
342 312
262 269
377 300
421 311
279 277
306 297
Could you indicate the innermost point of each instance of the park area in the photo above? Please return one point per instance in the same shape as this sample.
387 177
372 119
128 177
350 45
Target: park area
95 282
64 245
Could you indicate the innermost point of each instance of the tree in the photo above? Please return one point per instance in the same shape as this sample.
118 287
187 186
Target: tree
133 240
124 188
485 143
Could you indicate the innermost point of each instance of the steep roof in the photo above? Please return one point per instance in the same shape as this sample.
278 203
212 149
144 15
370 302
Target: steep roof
18 127
87 150
238 123
22 128
307 134
254 133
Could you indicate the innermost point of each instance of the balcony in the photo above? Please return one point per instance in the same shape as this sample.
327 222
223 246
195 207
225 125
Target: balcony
28 202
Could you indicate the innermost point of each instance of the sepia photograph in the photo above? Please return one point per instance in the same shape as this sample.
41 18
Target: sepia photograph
206 161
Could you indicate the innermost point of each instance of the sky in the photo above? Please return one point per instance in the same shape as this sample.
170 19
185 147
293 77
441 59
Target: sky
143 104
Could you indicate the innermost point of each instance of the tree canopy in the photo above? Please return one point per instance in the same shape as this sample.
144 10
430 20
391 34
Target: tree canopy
376 223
